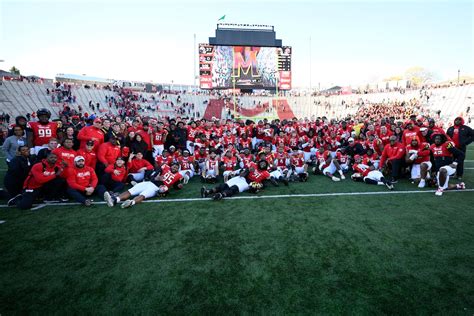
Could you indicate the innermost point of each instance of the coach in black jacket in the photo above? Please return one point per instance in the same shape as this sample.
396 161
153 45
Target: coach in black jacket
462 136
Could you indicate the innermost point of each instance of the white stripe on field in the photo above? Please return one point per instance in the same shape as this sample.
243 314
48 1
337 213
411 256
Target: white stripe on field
251 197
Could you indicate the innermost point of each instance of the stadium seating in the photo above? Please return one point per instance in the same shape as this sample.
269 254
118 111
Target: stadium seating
25 97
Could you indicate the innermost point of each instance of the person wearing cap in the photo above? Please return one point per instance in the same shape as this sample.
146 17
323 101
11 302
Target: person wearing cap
354 148
89 154
43 181
92 132
82 181
113 178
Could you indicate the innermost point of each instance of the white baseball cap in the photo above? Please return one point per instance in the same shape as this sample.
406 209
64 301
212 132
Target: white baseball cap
78 158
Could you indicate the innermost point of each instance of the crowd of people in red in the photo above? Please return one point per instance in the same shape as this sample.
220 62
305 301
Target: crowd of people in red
78 157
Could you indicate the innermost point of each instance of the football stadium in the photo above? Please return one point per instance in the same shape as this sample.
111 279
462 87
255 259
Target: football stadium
242 158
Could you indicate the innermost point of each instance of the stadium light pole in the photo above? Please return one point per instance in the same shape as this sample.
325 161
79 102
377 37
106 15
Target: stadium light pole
459 73
194 57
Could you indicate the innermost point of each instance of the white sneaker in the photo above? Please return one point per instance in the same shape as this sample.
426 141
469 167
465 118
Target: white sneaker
343 177
422 184
439 192
108 198
133 183
127 203
336 179
461 186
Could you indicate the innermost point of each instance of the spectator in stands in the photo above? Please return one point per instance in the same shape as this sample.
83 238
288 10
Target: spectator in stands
12 143
82 181
18 170
462 135
43 181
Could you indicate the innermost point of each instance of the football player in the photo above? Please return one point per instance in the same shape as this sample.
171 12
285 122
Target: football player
43 131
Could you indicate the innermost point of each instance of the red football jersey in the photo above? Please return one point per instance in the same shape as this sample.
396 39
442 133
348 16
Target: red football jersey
42 133
168 177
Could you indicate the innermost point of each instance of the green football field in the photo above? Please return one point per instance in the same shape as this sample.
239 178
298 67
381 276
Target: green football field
340 248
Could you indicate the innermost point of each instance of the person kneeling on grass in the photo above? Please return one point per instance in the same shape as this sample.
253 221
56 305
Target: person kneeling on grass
366 172
167 177
43 181
82 181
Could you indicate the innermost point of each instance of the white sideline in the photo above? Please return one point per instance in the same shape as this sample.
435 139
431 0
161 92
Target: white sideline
38 206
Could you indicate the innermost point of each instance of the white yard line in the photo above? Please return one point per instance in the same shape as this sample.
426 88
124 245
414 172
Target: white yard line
256 197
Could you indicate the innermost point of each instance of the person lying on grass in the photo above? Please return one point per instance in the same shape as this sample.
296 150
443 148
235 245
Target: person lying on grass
165 178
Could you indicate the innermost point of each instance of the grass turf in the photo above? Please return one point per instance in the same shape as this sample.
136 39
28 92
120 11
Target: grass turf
403 254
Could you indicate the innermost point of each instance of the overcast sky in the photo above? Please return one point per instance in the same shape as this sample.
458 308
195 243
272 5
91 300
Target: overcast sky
352 42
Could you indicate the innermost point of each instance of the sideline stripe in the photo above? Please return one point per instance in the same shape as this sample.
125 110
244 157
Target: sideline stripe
262 197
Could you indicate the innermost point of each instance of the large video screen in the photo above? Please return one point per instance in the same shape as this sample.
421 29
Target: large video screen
244 67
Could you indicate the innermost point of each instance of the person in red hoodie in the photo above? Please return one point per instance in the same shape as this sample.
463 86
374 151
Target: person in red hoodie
107 154
113 178
392 157
82 181
410 131
43 180
92 132
138 168
89 154
418 157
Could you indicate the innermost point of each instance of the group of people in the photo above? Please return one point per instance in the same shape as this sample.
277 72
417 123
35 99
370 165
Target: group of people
75 159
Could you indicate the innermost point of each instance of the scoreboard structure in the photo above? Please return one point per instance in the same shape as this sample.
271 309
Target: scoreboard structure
244 56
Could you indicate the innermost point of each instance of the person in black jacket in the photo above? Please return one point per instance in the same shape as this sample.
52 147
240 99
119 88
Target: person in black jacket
18 170
462 136
138 145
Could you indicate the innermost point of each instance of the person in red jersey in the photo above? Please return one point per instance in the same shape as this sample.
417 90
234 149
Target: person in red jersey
193 130
138 168
187 165
282 160
418 157
93 132
229 163
343 159
107 154
200 156
163 159
81 181
42 131
89 154
298 166
392 158
158 139
461 135
113 179
364 171
166 178
327 165
211 167
445 156
43 181
65 155
372 157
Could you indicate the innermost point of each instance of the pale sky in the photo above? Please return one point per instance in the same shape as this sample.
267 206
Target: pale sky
352 42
